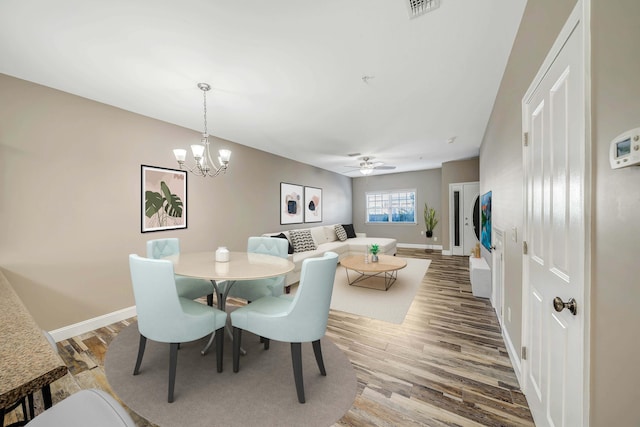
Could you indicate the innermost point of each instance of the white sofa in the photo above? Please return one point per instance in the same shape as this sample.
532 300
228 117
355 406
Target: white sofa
325 238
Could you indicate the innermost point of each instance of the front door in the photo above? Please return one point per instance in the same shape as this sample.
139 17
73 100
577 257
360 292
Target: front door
554 270
464 205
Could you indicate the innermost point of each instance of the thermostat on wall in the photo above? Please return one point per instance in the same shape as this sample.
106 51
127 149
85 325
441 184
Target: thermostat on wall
625 149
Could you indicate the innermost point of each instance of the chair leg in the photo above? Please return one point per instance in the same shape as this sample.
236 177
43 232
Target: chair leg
210 300
219 344
31 406
266 342
237 336
173 361
141 346
317 350
296 358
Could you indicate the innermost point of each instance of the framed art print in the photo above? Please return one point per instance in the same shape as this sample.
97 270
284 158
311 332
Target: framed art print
290 203
163 199
312 204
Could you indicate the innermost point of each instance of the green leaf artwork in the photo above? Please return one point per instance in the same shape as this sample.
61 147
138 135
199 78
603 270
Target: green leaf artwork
163 206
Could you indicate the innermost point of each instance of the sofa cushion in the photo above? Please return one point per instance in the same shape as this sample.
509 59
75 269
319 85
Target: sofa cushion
319 237
282 236
351 233
337 247
342 235
302 240
330 233
361 244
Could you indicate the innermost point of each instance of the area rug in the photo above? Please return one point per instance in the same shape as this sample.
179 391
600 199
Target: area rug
261 393
390 305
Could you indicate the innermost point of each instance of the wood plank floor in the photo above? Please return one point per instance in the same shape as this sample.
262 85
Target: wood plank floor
446 365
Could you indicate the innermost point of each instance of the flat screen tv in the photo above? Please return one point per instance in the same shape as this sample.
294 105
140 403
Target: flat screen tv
485 220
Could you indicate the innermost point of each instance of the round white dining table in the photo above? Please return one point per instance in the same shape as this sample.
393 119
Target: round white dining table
241 266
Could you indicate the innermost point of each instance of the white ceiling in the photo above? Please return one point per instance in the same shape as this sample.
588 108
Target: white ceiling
287 75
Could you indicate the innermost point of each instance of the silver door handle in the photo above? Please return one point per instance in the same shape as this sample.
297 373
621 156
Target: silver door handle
560 305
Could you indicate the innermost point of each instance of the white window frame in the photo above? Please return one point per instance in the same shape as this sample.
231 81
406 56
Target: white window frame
385 207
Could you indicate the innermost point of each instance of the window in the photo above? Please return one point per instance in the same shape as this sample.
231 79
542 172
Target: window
397 206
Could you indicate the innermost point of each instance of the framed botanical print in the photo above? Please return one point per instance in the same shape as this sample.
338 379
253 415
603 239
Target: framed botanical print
290 203
163 199
312 204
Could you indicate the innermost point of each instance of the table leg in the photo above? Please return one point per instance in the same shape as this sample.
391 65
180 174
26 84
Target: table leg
222 305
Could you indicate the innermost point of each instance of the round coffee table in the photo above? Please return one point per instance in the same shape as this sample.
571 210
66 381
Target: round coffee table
374 275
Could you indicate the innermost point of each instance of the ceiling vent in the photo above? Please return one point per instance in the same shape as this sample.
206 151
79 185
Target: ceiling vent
420 7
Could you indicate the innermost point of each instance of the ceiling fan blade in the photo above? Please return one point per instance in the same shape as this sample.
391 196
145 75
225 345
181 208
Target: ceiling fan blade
384 167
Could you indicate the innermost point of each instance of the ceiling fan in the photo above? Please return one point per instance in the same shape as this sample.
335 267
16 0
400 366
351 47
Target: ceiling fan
366 166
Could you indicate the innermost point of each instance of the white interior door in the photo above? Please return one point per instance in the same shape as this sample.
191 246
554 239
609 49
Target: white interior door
471 213
465 217
554 268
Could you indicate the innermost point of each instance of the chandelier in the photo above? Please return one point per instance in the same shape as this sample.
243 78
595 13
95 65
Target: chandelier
204 165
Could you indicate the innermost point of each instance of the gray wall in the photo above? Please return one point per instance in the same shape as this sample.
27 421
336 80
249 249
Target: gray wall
615 289
615 196
501 150
70 198
427 184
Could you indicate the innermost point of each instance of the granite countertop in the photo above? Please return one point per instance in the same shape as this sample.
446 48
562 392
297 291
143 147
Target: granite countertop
27 360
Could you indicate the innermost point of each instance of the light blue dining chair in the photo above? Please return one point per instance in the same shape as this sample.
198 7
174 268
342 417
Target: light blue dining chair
163 316
252 290
188 287
301 319
87 407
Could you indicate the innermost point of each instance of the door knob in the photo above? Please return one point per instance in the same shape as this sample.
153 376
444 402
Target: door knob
560 305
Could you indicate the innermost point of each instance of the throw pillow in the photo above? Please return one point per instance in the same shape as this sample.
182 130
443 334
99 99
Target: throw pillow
282 236
351 233
342 235
302 240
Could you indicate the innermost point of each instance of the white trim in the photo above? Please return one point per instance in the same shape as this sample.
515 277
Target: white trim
588 204
447 252
92 324
513 355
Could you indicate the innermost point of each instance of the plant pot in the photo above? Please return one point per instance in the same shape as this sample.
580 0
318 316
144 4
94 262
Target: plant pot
429 233
374 258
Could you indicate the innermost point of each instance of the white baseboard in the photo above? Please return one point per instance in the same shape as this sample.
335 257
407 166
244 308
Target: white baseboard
418 246
514 355
447 252
92 324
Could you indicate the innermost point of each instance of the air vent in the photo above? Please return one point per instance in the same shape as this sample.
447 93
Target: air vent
420 7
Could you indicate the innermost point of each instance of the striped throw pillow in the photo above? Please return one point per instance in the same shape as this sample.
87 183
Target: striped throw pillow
302 240
341 233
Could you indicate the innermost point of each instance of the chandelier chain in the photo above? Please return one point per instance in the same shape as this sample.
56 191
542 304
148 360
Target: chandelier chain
204 92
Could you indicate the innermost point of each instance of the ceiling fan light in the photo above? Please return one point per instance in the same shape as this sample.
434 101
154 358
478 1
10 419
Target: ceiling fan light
366 171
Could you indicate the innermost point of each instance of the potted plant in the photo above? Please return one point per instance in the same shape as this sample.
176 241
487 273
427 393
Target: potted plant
430 220
374 252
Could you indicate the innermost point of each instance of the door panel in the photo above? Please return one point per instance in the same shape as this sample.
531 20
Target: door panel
471 200
464 208
555 233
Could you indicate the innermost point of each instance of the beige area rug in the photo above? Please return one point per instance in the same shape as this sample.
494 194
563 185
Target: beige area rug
262 393
390 305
